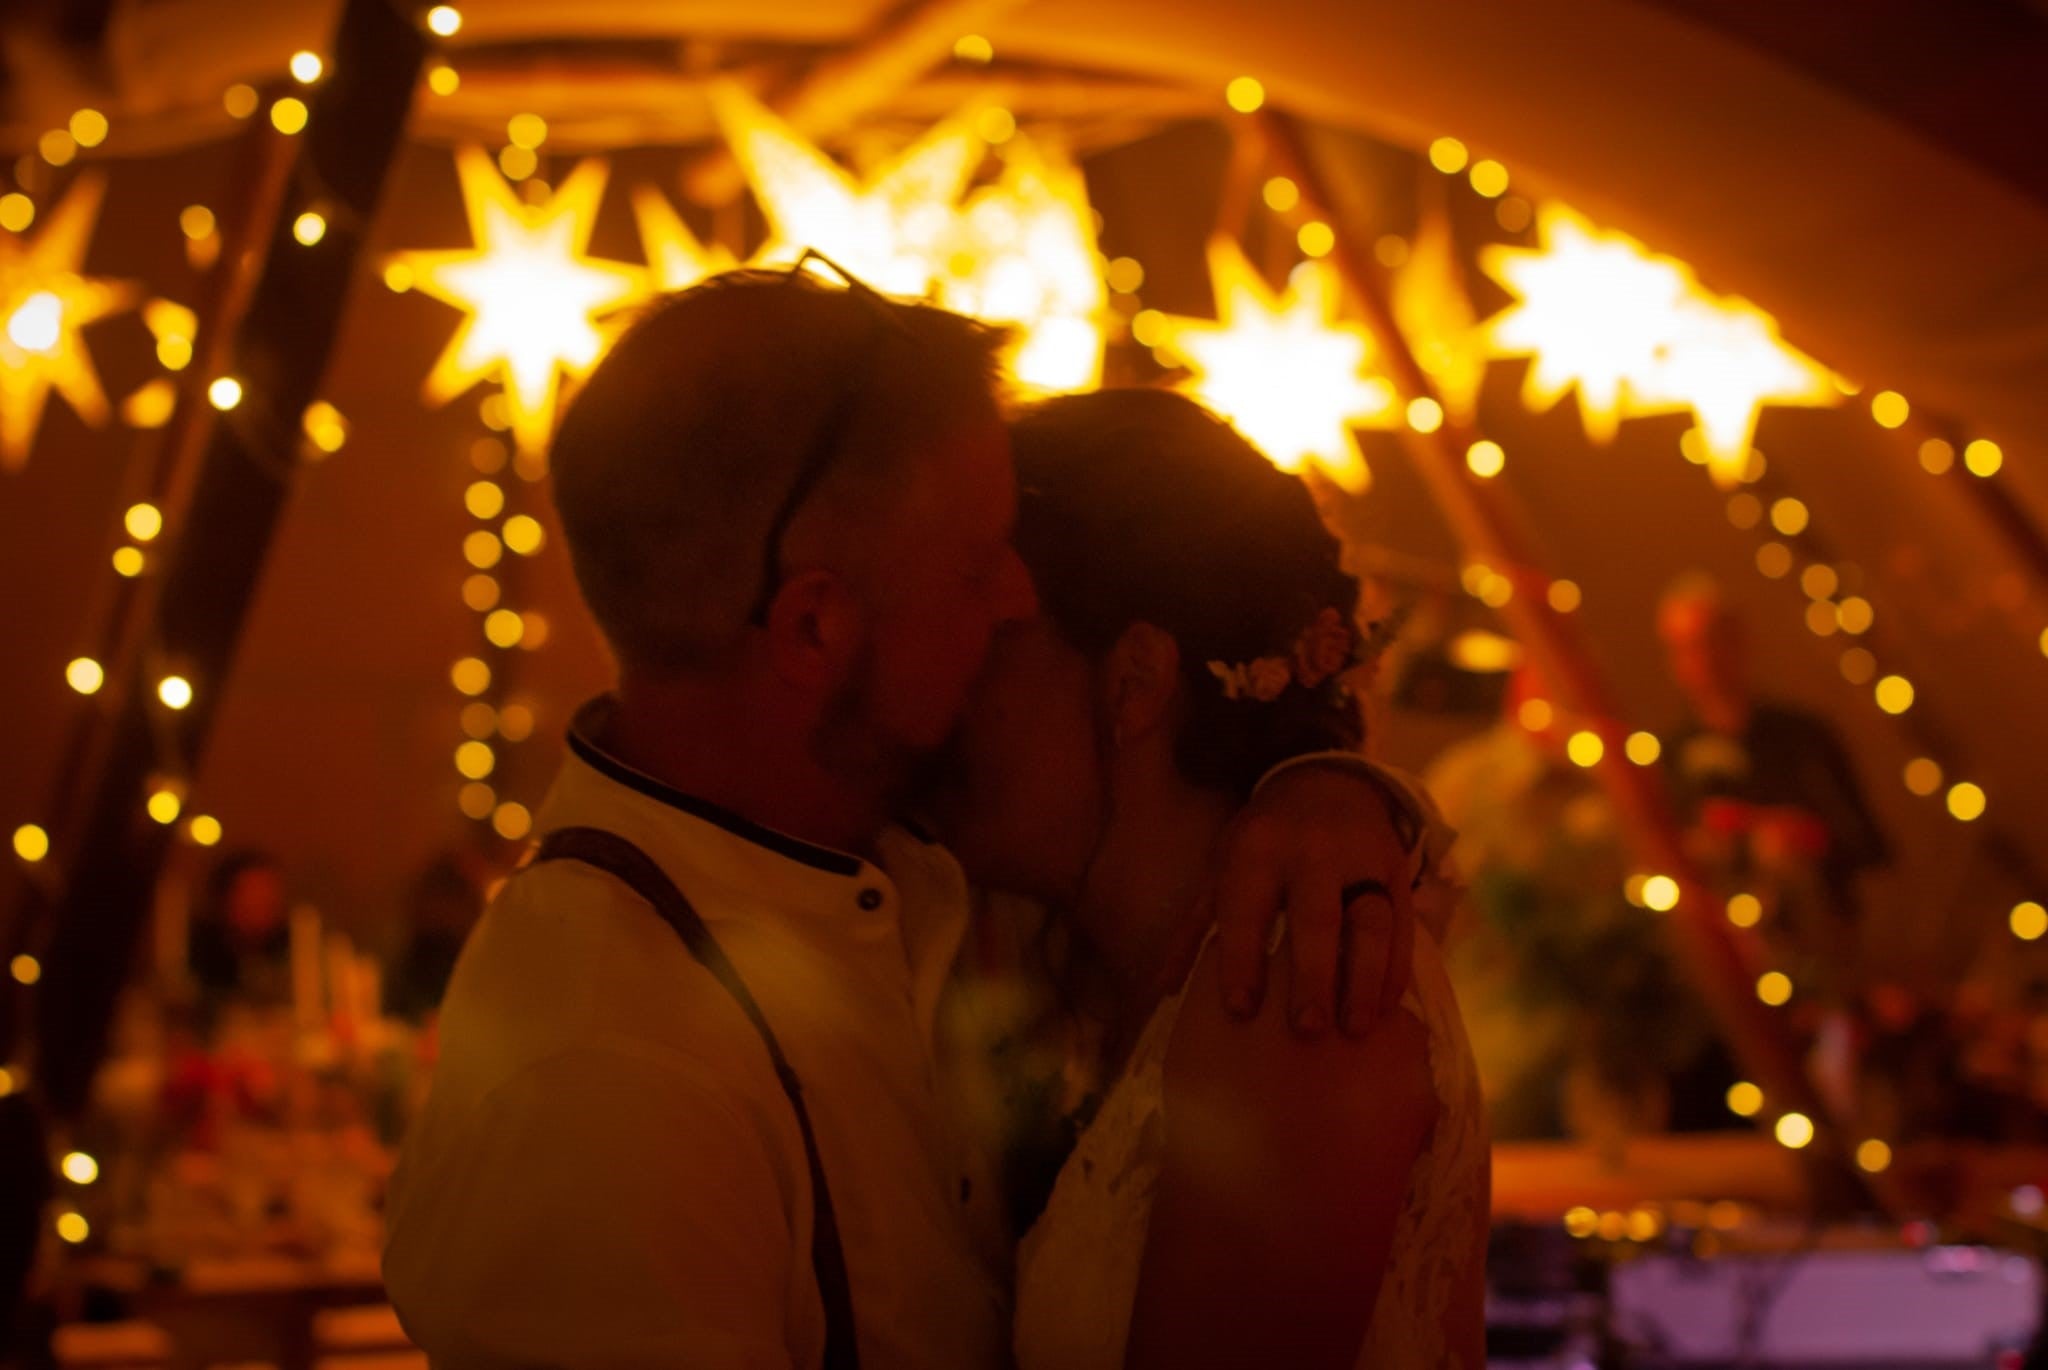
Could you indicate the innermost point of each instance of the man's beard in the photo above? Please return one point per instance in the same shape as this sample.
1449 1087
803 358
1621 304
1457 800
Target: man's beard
852 743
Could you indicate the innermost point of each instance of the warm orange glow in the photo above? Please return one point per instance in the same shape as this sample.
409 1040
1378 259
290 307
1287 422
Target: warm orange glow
1585 748
1245 94
1745 910
1644 748
889 228
1023 253
1873 1156
675 256
1485 459
1774 987
1660 893
530 294
45 302
471 676
288 115
1282 368
1745 1100
1923 776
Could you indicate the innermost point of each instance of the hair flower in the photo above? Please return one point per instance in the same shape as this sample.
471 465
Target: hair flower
1324 649
1263 679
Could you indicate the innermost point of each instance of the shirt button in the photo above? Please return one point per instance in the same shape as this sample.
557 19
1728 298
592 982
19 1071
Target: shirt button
870 899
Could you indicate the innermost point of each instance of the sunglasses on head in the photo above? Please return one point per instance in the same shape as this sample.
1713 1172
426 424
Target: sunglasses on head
830 438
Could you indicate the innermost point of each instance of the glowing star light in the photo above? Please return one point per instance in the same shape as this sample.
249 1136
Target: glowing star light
531 295
1637 334
1725 364
890 228
44 302
676 259
1024 254
1591 311
1293 379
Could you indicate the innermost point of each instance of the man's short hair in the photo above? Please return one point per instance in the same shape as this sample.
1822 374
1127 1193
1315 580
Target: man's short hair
671 463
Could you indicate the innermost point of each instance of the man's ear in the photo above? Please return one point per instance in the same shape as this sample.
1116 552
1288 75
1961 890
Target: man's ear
1143 680
815 629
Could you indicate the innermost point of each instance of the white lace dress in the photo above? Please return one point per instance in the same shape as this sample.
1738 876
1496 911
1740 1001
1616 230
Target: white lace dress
1077 1269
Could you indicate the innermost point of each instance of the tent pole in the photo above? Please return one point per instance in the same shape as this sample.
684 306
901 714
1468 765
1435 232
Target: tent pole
277 343
1490 530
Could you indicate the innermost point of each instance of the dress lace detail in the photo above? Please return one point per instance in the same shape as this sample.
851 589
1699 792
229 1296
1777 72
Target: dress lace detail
1077 1269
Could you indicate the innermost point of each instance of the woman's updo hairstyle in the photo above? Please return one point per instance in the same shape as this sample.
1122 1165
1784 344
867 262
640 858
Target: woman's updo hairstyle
1140 506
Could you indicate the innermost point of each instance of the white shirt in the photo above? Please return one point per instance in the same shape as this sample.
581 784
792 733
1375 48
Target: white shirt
607 1173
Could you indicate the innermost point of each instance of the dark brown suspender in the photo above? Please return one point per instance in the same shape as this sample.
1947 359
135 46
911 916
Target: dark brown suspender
619 858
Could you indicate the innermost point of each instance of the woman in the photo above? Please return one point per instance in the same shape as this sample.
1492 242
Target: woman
1242 1197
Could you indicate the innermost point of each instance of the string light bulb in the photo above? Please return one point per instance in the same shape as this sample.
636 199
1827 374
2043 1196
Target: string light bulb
1245 94
2028 920
444 21
31 843
288 116
306 67
85 675
1794 1131
175 691
224 393
309 228
1660 893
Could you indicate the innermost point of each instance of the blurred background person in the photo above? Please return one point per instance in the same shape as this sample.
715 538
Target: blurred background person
1767 792
240 942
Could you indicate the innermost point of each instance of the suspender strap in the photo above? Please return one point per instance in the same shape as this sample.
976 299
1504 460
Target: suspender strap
619 858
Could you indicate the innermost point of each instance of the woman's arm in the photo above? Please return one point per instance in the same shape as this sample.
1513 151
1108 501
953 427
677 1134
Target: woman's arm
1286 1170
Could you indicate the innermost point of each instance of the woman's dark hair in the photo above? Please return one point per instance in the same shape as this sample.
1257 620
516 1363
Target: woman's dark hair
1140 506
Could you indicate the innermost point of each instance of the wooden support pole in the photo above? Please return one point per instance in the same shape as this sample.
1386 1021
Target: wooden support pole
1490 530
278 348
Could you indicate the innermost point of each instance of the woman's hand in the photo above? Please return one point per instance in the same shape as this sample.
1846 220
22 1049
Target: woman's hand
1331 845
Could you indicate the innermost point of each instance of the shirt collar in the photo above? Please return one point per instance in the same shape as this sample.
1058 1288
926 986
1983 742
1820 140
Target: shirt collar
589 721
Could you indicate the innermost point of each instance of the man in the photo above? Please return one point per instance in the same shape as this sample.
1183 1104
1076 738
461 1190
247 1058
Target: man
788 506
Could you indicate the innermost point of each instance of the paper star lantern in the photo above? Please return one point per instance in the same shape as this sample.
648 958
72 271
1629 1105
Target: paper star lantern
1024 254
676 258
1725 364
1591 311
1636 334
1282 368
1436 316
532 297
890 228
44 302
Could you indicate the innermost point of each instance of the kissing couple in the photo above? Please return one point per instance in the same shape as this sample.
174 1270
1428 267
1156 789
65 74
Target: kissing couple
967 935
